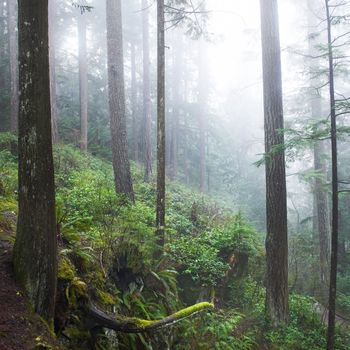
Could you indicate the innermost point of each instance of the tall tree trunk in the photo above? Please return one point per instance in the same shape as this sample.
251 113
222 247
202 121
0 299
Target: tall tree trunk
116 94
13 46
160 212
321 219
35 251
335 214
177 79
83 82
52 59
3 71
147 118
135 131
276 196
202 97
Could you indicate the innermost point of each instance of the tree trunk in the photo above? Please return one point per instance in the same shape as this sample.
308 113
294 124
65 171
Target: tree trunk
83 82
35 251
160 215
52 59
202 97
321 219
334 236
116 94
177 79
134 139
276 197
13 46
3 72
147 118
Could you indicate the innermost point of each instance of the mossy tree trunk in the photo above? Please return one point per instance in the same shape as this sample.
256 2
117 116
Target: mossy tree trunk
35 251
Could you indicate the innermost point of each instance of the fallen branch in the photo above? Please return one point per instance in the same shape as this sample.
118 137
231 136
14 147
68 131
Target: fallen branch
136 325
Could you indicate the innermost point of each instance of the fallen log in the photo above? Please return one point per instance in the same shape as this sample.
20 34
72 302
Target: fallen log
123 324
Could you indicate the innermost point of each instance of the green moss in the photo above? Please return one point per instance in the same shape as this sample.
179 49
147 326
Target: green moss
106 298
66 270
192 309
73 332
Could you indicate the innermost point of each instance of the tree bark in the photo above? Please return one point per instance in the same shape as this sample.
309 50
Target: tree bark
147 118
52 58
335 213
13 47
116 93
160 210
35 251
83 82
276 196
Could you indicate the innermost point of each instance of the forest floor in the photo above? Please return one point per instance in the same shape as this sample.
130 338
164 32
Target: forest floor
20 327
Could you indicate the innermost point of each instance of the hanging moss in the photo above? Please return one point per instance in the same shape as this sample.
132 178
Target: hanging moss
105 298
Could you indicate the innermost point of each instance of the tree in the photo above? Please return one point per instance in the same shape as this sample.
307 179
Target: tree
202 97
116 94
335 199
83 81
321 217
52 54
147 118
13 46
35 250
160 209
276 196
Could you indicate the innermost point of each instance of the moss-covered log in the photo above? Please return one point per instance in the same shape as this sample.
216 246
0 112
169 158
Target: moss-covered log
136 325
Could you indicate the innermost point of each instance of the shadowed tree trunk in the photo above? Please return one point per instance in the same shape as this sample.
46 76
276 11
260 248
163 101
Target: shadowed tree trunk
276 196
35 251
13 46
52 58
83 82
147 118
160 210
116 94
335 214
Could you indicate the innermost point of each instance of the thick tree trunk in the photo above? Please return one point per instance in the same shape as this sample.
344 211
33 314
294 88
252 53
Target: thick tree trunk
52 59
147 118
83 82
13 46
160 210
35 251
276 197
335 214
116 93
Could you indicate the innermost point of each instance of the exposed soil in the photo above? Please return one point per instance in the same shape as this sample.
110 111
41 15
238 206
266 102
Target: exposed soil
20 327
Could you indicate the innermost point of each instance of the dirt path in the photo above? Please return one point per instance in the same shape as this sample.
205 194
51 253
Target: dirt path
20 328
